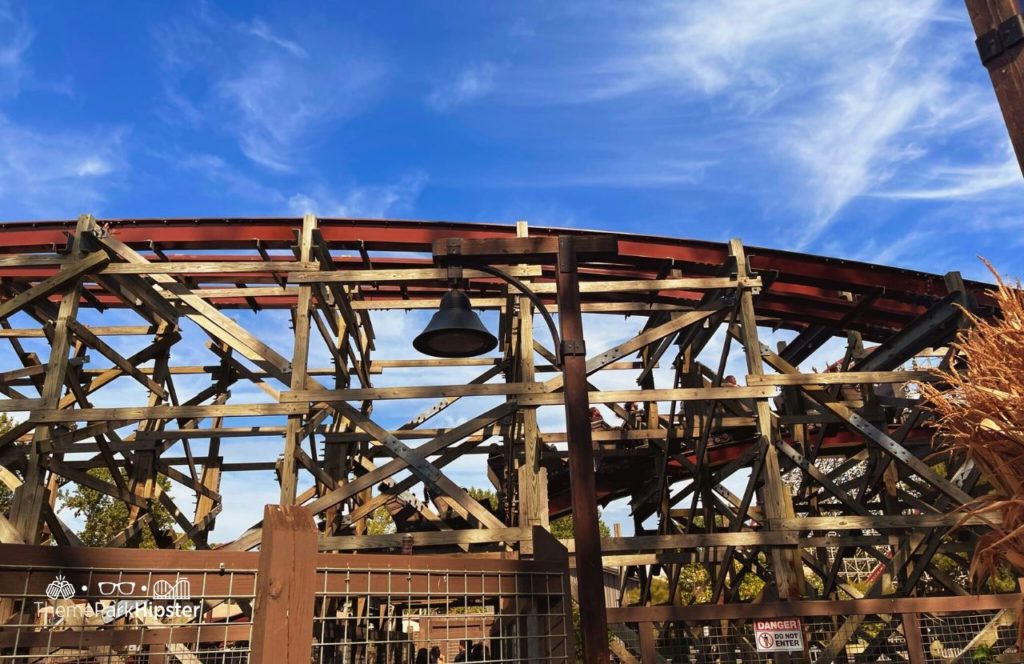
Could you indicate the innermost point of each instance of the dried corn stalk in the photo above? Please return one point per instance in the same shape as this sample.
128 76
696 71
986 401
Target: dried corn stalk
981 413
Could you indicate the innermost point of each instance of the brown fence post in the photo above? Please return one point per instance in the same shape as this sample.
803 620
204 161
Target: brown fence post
547 548
648 648
282 631
912 634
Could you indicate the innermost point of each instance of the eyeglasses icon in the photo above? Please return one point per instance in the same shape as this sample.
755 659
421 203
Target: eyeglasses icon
121 588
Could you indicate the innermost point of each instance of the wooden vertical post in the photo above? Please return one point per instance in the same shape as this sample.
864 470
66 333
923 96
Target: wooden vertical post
549 549
1006 69
648 648
30 496
282 630
786 562
589 572
300 354
533 510
912 634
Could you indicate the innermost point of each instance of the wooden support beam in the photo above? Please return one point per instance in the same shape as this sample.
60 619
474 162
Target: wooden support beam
861 425
842 378
538 249
30 497
293 433
54 416
647 285
358 543
416 274
69 274
778 502
575 367
208 267
526 394
882 522
640 543
814 608
440 444
208 317
422 469
94 342
1004 62
286 583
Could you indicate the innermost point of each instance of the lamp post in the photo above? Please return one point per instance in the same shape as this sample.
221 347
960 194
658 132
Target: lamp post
442 335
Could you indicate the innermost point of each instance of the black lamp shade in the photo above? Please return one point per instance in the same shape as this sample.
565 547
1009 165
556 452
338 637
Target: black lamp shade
455 330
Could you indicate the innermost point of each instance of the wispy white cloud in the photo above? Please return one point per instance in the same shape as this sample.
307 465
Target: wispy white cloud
62 174
15 38
469 84
258 28
362 201
949 182
840 96
177 109
812 108
261 87
277 104
354 200
620 173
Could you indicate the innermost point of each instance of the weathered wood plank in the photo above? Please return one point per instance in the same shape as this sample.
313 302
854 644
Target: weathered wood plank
841 378
69 274
440 538
98 330
208 267
53 416
692 541
421 468
412 274
526 394
283 612
14 405
635 285
885 522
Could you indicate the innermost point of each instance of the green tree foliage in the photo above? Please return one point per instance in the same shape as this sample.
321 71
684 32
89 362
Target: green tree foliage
695 586
105 516
564 528
380 522
484 496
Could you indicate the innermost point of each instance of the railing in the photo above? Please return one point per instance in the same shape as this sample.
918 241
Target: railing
115 605
392 608
285 604
927 630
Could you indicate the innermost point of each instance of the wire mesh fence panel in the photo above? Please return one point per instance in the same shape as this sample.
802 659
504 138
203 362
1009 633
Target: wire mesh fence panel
706 641
624 641
107 615
974 636
856 638
514 612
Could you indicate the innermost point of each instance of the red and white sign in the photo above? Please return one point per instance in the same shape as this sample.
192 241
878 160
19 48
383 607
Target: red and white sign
779 635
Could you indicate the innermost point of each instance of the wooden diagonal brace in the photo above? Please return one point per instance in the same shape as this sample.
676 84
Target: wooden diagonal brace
68 274
93 341
420 467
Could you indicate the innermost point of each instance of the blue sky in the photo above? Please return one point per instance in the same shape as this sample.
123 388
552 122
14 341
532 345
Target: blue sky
866 130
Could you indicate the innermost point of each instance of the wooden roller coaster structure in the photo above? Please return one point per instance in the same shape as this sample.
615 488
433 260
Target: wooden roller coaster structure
781 475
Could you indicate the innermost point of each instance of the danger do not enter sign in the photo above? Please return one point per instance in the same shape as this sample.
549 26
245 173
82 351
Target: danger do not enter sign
778 635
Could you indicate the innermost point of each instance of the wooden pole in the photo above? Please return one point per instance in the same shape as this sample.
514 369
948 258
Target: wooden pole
282 630
300 354
1007 68
589 572
912 634
30 496
778 503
